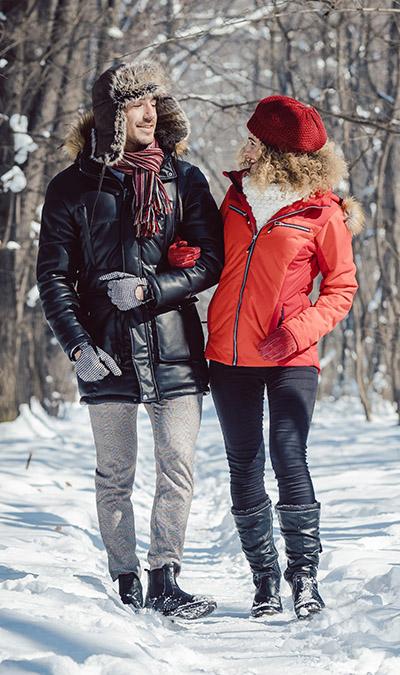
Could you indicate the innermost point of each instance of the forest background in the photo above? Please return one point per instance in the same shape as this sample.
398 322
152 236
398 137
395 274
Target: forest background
343 57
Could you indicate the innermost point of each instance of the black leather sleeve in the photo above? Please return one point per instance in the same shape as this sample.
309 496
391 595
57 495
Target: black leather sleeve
201 226
57 271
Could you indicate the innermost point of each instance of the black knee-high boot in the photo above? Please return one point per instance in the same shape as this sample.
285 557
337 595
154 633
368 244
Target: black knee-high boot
300 528
255 532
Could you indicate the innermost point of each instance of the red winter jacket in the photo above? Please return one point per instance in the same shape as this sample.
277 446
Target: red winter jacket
268 276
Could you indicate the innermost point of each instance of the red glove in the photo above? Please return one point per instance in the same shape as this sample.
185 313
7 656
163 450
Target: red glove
180 254
278 346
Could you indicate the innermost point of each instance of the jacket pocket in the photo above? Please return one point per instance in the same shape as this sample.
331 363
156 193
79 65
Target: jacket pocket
178 335
277 318
290 307
170 342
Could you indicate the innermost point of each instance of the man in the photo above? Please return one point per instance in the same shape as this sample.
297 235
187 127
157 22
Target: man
127 317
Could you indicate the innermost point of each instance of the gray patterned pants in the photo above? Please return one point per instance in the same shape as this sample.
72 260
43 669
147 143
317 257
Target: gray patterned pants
175 423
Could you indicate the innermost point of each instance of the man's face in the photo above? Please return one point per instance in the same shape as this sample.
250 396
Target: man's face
141 120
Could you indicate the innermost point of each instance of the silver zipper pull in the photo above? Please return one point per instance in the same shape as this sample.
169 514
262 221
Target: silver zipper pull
254 237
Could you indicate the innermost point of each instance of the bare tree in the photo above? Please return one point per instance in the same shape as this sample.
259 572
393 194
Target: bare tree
343 57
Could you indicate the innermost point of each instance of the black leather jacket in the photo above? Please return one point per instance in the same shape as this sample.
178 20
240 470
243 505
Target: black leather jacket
159 345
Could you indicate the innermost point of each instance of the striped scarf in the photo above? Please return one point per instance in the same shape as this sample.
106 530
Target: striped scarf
151 196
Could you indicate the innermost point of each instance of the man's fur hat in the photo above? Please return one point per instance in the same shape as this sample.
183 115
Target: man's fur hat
127 82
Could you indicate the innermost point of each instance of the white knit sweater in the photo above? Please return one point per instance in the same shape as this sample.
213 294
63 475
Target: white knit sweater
266 202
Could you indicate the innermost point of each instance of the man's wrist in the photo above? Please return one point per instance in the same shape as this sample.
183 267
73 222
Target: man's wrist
76 351
146 290
139 292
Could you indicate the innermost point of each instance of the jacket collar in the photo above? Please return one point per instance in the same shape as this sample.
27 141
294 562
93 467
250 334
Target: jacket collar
236 177
352 210
320 200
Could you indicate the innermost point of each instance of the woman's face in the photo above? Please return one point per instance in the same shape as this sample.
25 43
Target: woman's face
252 151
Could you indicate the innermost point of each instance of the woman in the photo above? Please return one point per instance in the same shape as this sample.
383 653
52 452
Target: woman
282 227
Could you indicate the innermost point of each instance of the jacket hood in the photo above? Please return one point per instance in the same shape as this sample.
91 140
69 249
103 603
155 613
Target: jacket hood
352 210
105 126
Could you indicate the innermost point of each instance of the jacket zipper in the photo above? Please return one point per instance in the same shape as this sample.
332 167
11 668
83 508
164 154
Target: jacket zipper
246 271
133 362
121 228
280 223
146 329
121 233
235 208
250 251
294 213
87 236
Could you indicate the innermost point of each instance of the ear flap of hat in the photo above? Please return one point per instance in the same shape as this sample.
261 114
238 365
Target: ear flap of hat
172 124
109 120
110 123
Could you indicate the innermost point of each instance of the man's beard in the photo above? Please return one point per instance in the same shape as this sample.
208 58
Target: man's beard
136 146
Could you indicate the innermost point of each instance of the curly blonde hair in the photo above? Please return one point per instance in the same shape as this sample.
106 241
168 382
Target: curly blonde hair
307 173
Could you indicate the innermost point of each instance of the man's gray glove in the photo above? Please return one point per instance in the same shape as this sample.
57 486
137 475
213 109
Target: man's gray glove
122 289
94 364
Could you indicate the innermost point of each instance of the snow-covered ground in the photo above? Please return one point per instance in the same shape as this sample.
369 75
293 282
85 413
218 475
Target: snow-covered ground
60 613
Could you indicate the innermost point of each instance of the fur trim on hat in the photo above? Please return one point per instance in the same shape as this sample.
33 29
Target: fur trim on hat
131 81
353 214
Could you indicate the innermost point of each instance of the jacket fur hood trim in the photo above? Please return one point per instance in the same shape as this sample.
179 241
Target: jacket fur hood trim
353 214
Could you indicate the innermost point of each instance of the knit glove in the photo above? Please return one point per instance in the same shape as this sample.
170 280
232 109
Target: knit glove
278 346
94 364
121 289
181 255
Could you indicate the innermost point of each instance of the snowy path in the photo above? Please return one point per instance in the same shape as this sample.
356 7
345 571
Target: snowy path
60 614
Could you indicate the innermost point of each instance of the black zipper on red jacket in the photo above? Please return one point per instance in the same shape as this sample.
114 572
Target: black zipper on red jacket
294 213
280 223
250 251
246 271
237 210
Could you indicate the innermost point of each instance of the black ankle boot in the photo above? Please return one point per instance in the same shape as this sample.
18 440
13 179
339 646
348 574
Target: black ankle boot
165 596
130 590
300 528
254 527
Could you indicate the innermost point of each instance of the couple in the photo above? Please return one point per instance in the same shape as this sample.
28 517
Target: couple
130 233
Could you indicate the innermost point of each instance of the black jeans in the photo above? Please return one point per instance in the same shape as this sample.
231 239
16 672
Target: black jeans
238 393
